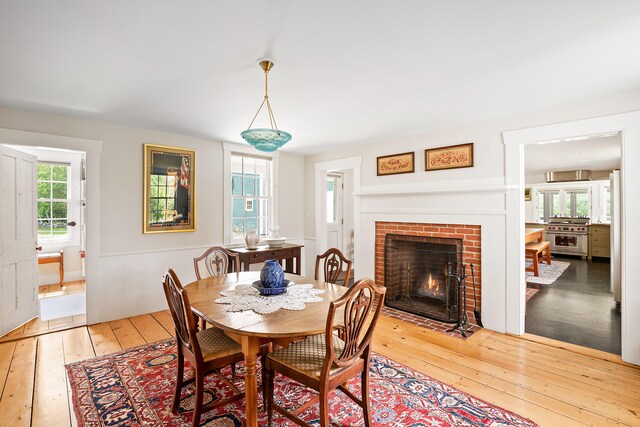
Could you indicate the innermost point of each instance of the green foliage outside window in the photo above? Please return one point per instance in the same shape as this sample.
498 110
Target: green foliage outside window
162 198
53 200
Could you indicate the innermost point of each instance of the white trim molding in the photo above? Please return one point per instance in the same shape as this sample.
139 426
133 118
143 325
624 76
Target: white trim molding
321 169
229 148
93 149
628 124
490 185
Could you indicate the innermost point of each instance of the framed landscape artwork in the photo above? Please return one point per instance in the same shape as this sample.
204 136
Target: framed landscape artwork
451 157
169 189
396 163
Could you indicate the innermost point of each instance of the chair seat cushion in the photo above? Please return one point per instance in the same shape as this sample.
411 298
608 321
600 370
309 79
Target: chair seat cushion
307 356
215 344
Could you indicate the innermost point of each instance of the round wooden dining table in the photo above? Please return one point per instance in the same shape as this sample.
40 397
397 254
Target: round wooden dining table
251 329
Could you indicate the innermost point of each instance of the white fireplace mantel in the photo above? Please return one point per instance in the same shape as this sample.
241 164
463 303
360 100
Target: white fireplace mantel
464 206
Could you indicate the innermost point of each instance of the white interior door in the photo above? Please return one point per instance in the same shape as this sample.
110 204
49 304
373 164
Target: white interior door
18 238
334 211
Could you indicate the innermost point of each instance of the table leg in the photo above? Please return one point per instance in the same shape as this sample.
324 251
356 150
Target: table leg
298 256
250 348
61 267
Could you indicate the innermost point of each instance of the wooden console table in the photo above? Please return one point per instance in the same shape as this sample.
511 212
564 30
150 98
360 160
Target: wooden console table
288 252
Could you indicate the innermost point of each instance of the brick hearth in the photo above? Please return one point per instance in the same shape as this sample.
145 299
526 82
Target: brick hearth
434 325
471 243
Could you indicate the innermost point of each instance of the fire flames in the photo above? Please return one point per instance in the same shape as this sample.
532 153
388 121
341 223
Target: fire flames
430 287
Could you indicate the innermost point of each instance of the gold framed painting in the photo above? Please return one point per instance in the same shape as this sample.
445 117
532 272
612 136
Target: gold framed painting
396 164
451 157
169 189
527 194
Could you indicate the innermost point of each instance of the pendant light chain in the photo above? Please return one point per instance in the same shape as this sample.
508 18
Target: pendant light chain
266 139
272 118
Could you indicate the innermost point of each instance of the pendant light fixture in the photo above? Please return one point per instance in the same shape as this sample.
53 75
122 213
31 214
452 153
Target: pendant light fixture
266 139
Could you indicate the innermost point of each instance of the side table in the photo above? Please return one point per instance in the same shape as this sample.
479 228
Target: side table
290 253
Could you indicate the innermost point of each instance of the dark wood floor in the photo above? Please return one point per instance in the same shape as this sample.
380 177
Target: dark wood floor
578 307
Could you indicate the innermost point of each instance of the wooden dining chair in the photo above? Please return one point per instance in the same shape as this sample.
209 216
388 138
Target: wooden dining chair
325 362
213 262
216 261
208 350
333 266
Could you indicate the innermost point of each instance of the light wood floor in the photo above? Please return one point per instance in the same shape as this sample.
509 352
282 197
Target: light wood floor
534 377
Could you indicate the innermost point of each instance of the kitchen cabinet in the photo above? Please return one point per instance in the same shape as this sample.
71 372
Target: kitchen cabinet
599 241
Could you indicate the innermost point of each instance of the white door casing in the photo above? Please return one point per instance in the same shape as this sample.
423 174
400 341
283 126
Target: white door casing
18 237
93 149
615 235
334 228
628 124
320 179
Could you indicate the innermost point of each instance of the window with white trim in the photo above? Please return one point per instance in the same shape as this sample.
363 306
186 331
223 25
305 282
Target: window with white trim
54 197
606 204
572 202
251 198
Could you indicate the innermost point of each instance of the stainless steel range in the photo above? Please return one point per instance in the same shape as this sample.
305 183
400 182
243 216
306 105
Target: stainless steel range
568 235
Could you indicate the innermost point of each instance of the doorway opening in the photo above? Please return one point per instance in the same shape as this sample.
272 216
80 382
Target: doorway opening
336 184
335 210
339 208
571 208
58 261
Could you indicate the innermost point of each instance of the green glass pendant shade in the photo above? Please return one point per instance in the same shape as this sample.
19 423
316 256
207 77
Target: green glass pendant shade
266 139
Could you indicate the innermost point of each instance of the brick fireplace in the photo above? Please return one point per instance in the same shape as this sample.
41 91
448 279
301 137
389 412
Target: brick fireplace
421 286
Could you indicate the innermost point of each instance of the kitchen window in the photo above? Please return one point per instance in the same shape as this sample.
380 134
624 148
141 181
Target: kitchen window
577 203
569 202
548 204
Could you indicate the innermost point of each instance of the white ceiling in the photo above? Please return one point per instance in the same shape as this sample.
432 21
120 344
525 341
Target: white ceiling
347 71
596 154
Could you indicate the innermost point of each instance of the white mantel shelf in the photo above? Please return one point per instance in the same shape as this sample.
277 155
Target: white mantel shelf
373 191
426 211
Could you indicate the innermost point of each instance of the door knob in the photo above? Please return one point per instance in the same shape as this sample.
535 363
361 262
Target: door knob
38 248
71 223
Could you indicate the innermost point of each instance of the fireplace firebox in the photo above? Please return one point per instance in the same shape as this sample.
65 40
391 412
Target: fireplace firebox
415 275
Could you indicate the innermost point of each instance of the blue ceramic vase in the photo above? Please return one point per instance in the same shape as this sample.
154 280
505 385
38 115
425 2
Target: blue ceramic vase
272 275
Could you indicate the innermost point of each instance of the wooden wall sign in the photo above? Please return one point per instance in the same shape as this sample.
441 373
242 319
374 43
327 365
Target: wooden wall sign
451 157
396 163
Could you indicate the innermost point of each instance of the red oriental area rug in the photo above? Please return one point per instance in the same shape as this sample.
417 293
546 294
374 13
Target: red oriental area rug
134 388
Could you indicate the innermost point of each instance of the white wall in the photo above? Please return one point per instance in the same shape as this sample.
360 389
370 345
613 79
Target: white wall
472 195
489 162
131 263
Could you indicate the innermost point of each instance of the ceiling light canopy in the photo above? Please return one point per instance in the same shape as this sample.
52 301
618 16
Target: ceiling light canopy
266 139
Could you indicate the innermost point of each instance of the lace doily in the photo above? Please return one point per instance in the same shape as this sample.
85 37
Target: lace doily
246 297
